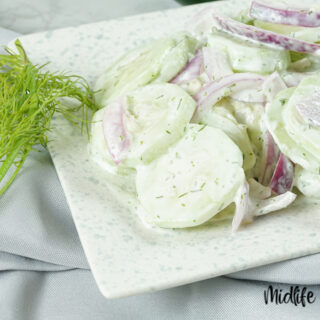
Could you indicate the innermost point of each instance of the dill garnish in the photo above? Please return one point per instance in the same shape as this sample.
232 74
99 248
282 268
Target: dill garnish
29 97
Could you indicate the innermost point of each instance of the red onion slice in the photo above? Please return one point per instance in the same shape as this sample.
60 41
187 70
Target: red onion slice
272 156
294 17
309 109
191 71
282 178
242 205
266 37
114 131
248 206
216 64
214 91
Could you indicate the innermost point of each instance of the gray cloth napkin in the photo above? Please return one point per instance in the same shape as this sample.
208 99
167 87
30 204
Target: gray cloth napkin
44 274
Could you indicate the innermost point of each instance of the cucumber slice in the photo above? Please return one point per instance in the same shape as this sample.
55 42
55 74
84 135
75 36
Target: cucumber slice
277 28
245 57
197 178
221 118
154 118
251 115
301 130
307 34
157 60
276 125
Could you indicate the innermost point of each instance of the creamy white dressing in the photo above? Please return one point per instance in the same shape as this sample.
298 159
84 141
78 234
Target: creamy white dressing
190 174
309 109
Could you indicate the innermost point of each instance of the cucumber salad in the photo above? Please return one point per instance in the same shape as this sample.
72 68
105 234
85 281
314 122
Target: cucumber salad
220 120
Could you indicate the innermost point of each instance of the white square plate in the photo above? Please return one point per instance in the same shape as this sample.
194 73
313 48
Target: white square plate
127 257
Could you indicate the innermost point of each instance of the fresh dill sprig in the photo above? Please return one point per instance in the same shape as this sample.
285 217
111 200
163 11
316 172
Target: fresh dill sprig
29 97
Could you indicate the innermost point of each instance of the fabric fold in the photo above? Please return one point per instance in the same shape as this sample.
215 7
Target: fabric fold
12 262
73 295
35 221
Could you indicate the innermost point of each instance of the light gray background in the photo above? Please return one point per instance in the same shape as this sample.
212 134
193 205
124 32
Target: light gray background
44 274
27 16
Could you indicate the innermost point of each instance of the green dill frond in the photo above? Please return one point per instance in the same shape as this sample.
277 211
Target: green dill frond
29 97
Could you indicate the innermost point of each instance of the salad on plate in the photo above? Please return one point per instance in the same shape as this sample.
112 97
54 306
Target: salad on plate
220 119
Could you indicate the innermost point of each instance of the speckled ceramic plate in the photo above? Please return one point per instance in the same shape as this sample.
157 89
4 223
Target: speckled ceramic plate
126 256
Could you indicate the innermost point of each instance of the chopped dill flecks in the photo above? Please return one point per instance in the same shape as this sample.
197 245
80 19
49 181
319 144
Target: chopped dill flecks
202 186
183 194
202 127
283 101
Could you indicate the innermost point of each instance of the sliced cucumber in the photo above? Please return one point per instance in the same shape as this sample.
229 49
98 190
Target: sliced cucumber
252 116
197 178
245 57
307 34
276 125
301 130
155 116
277 28
157 60
221 118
